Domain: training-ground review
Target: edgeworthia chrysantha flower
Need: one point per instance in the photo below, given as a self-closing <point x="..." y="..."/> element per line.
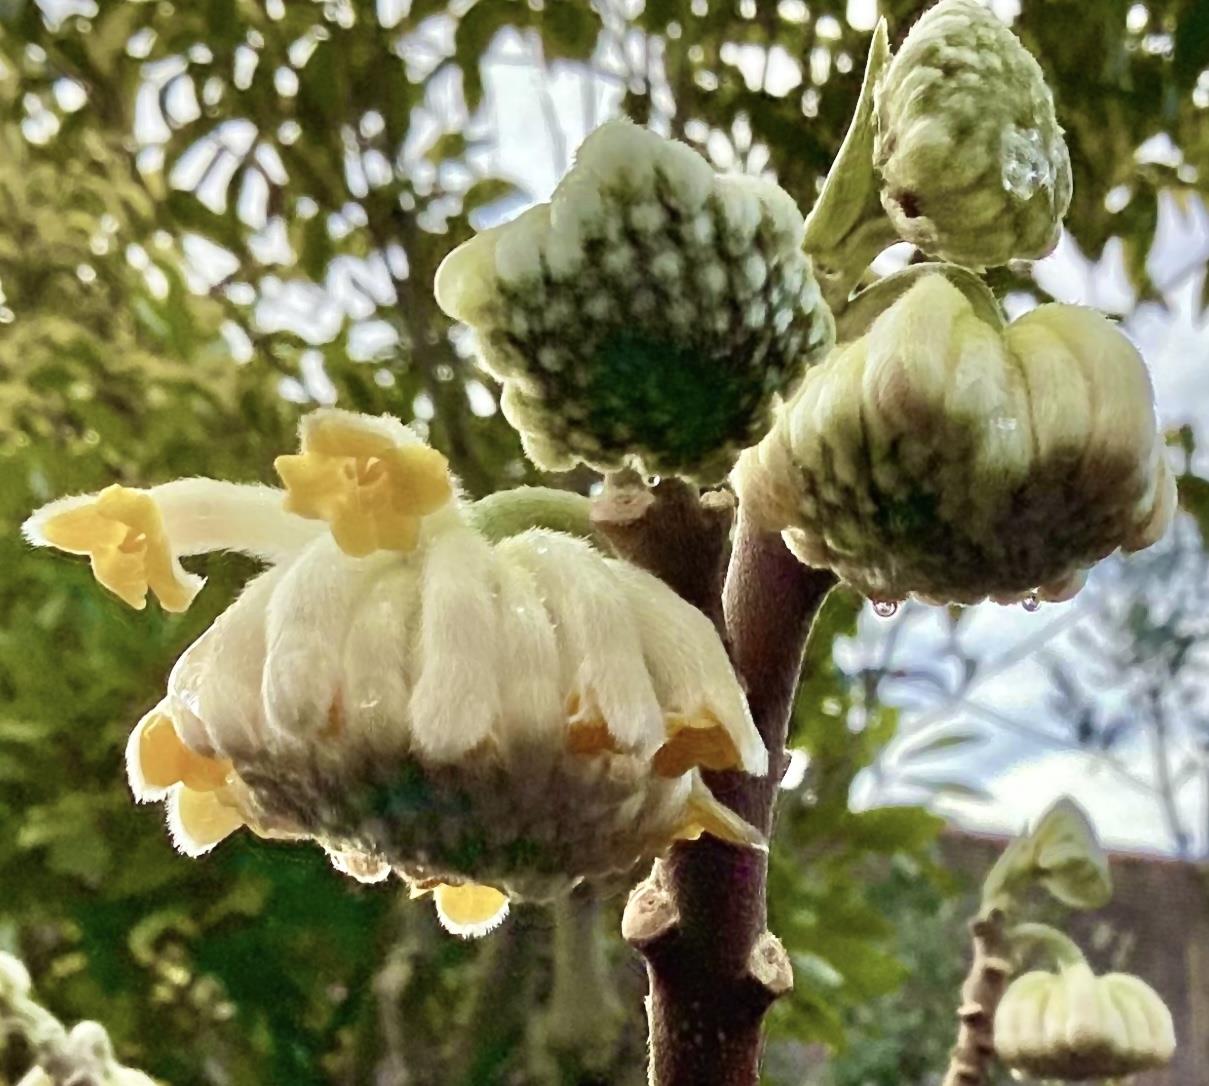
<point x="972" y="161"/>
<point x="489" y="720"/>
<point x="648" y="314"/>
<point x="944" y="456"/>
<point x="1074" y="1026"/>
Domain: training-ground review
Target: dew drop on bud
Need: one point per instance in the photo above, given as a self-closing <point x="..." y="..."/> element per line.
<point x="1031" y="603"/>
<point x="885" y="608"/>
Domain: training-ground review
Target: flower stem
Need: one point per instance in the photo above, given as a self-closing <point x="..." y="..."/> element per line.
<point x="510" y="512"/>
<point x="1062" y="950"/>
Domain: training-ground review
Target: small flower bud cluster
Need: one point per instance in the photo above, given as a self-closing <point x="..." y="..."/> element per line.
<point x="943" y="457"/>
<point x="973" y="163"/>
<point x="1073" y="1025"/>
<point x="646" y="315"/>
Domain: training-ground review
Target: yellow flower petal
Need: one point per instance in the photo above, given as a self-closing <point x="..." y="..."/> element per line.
<point x="122" y="532"/>
<point x="200" y="820"/>
<point x="470" y="910"/>
<point x="371" y="491"/>
<point x="165" y="760"/>
<point x="694" y="742"/>
<point x="316" y="486"/>
<point x="420" y="478"/>
<point x="327" y="436"/>
<point x="704" y="813"/>
<point x="591" y="737"/>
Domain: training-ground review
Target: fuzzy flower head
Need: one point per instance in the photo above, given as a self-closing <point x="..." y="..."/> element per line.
<point x="942" y="456"/>
<point x="489" y="720"/>
<point x="973" y="163"/>
<point x="1074" y="1026"/>
<point x="648" y="314"/>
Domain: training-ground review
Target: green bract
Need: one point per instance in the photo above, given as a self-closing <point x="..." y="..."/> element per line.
<point x="648" y="314"/>
<point x="973" y="164"/>
<point x="941" y="456"/>
<point x="1062" y="854"/>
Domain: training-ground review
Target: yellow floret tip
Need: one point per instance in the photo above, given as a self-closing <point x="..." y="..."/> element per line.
<point x="165" y="760"/>
<point x="122" y="532"/>
<point x="201" y="820"/>
<point x="694" y="742"/>
<point x="371" y="491"/>
<point x="468" y="909"/>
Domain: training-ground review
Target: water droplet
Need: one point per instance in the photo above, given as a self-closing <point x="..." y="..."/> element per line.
<point x="1026" y="166"/>
<point x="885" y="608"/>
<point x="1031" y="603"/>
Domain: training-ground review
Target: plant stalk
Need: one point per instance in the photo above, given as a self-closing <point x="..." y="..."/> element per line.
<point x="700" y="918"/>
<point x="970" y="1061"/>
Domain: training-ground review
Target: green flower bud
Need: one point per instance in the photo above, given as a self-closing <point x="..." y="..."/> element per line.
<point x="942" y="456"/>
<point x="1074" y="1026"/>
<point x="973" y="164"/>
<point x="648" y="314"/>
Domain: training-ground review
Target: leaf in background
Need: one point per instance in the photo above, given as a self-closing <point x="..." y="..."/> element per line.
<point x="893" y="829"/>
<point x="1194" y="498"/>
<point x="1191" y="44"/>
<point x="948" y="742"/>
<point x="949" y="788"/>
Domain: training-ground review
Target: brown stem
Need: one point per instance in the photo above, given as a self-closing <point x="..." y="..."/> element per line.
<point x="669" y="530"/>
<point x="984" y="985"/>
<point x="700" y="917"/>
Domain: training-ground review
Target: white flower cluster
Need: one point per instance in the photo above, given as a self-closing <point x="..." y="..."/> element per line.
<point x="941" y="456"/>
<point x="1073" y="1025"/>
<point x="647" y="314"/>
<point x="521" y="715"/>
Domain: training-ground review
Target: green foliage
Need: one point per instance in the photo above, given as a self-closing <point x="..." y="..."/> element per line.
<point x="828" y="860"/>
<point x="905" y="1035"/>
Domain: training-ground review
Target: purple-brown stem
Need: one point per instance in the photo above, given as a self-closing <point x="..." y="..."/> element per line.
<point x="700" y="918"/>
<point x="970" y="1061"/>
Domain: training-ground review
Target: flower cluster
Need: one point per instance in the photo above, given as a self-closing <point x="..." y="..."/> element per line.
<point x="1073" y="1025"/>
<point x="972" y="161"/>
<point x="942" y="456"/>
<point x="489" y="720"/>
<point x="648" y="314"/>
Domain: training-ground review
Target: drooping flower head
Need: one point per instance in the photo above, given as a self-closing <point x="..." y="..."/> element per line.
<point x="647" y="314"/>
<point x="943" y="456"/>
<point x="1074" y="1026"/>
<point x="489" y="720"/>
<point x="973" y="164"/>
